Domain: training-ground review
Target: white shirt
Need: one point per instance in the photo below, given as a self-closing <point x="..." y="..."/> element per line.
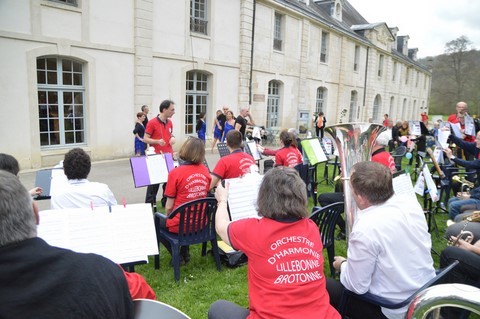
<point x="78" y="193"/>
<point x="389" y="252"/>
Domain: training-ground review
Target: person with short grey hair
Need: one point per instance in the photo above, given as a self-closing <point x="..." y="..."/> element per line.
<point x="41" y="281"/>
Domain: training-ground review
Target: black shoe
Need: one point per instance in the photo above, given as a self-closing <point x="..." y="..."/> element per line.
<point x="341" y="236"/>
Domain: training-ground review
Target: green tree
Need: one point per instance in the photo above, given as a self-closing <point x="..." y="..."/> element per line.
<point x="456" y="51"/>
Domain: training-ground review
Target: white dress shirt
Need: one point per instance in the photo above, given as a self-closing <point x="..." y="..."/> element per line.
<point x="78" y="193"/>
<point x="389" y="252"/>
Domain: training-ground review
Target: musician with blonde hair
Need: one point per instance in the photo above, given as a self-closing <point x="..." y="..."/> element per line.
<point x="388" y="249"/>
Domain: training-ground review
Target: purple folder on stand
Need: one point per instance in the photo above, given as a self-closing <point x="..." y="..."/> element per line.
<point x="152" y="169"/>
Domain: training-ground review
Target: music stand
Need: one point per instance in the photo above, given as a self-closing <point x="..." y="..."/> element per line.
<point x="222" y="149"/>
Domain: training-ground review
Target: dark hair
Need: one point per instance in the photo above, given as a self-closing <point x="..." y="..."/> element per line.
<point x="77" y="164"/>
<point x="140" y="114"/>
<point x="202" y="114"/>
<point x="9" y="163"/>
<point x="234" y="139"/>
<point x="17" y="220"/>
<point x="193" y="150"/>
<point x="372" y="181"/>
<point x="287" y="138"/>
<point x="282" y="194"/>
<point x="165" y="105"/>
<point x="320" y="114"/>
<point x="143" y="107"/>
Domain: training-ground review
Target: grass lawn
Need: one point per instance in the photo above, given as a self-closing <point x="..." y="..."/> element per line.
<point x="201" y="284"/>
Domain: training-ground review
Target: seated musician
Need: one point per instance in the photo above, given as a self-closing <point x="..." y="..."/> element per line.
<point x="188" y="182"/>
<point x="10" y="164"/>
<point x="467" y="253"/>
<point x="236" y="164"/>
<point x="42" y="281"/>
<point x="389" y="246"/>
<point x="80" y="192"/>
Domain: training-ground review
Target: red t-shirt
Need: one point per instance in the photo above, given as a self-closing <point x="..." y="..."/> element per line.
<point x="454" y="119"/>
<point x="158" y="130"/>
<point x="288" y="156"/>
<point x="385" y="159"/>
<point x="233" y="165"/>
<point x="186" y="183"/>
<point x="285" y="268"/>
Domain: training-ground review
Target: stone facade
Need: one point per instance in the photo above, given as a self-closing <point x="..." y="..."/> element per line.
<point x="144" y="51"/>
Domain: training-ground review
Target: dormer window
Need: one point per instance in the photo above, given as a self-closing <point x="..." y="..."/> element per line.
<point x="336" y="10"/>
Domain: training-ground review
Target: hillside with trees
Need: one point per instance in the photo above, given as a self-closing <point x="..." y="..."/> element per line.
<point x="455" y="77"/>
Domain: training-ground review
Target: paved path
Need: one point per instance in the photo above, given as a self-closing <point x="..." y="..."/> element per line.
<point x="117" y="174"/>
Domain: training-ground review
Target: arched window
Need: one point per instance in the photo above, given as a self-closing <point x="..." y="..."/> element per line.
<point x="60" y="97"/>
<point x="273" y="103"/>
<point x="195" y="99"/>
<point x="404" y="110"/>
<point x="377" y="104"/>
<point x="353" y="113"/>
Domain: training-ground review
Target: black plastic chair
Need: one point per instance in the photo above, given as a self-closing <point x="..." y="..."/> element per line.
<point x="326" y="218"/>
<point x="385" y="303"/>
<point x="197" y="225"/>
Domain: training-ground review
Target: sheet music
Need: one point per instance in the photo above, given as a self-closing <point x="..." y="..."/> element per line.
<point x="432" y="188"/>
<point x="252" y="146"/>
<point x="157" y="169"/>
<point x="242" y="196"/>
<point x="125" y="235"/>
<point x="443" y="137"/>
<point x="402" y="184"/>
<point x="314" y="151"/>
<point x="469" y="125"/>
<point x="456" y="129"/>
<point x="415" y="128"/>
<point x="59" y="180"/>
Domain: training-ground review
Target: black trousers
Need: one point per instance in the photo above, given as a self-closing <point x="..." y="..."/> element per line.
<point x="151" y="195"/>
<point x="355" y="308"/>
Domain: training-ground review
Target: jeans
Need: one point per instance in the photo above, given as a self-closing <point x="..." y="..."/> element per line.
<point x="455" y="203"/>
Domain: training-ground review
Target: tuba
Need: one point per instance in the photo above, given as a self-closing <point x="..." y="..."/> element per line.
<point x="354" y="142"/>
<point x="446" y="295"/>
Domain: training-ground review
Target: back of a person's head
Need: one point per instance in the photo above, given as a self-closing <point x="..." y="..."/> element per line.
<point x="234" y="139"/>
<point x="373" y="181"/>
<point x="282" y="194"/>
<point x="17" y="220"/>
<point x="286" y="138"/>
<point x="77" y="164"/>
<point x="193" y="150"/>
<point x="9" y="163"/>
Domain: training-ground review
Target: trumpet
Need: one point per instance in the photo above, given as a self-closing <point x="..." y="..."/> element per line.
<point x="466" y="235"/>
<point x="465" y="183"/>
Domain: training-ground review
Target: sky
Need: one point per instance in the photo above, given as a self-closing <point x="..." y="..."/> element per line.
<point x="430" y="24"/>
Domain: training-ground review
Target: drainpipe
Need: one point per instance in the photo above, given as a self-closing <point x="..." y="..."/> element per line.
<point x="365" y="84"/>
<point x="251" y="54"/>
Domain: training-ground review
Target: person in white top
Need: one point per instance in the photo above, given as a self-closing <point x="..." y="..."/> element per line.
<point x="388" y="249"/>
<point x="79" y="192"/>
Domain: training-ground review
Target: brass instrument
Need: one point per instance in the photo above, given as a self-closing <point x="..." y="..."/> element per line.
<point x="445" y="295"/>
<point x="466" y="235"/>
<point x="464" y="182"/>
<point x="354" y="142"/>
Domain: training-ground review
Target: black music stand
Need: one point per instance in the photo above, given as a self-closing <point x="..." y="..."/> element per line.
<point x="222" y="149"/>
<point x="326" y="178"/>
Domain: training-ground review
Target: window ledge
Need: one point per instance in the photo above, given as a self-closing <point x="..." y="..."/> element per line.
<point x="62" y="6"/>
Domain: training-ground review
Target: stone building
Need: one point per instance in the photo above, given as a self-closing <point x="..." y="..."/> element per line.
<point x="75" y="72"/>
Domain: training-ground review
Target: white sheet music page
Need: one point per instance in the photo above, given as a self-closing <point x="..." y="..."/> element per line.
<point x="402" y="184"/>
<point x="127" y="234"/>
<point x="242" y="196"/>
<point x="157" y="169"/>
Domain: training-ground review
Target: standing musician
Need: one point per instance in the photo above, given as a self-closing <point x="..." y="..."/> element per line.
<point x="466" y="122"/>
<point x="389" y="246"/>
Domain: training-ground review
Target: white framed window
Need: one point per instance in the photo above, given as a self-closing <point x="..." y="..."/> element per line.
<point x="196" y="99"/>
<point x="356" y="61"/>
<point x="392" y="107"/>
<point x="407" y="75"/>
<point x="381" y="59"/>
<point x="321" y="99"/>
<point x="198" y="16"/>
<point x="394" y="73"/>
<point x="404" y="110"/>
<point x="60" y="98"/>
<point x="377" y="105"/>
<point x="417" y="79"/>
<point x="278" y="32"/>
<point x="324" y="47"/>
<point x="70" y="2"/>
<point x="354" y="109"/>
<point x="273" y="103"/>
